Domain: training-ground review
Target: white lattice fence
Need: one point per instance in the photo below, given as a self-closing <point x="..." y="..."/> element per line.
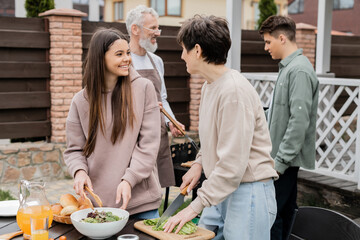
<point x="337" y="136"/>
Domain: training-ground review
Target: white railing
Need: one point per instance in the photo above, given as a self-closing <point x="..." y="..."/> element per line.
<point x="337" y="136"/>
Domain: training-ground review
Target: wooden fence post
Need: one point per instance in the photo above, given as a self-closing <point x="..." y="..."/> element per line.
<point x="66" y="65"/>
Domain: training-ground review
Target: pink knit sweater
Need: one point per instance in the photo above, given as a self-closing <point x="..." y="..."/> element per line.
<point x="131" y="158"/>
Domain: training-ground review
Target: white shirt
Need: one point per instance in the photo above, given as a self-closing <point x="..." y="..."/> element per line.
<point x="143" y="62"/>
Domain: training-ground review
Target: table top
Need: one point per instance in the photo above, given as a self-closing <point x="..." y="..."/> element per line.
<point x="8" y="225"/>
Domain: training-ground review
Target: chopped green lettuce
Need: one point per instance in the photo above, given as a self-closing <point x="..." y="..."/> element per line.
<point x="187" y="229"/>
<point x="100" y="217"/>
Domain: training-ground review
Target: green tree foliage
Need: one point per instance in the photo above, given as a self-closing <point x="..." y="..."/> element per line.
<point x="267" y="8"/>
<point x="34" y="7"/>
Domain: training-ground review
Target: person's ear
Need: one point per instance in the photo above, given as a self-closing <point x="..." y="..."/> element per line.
<point x="198" y="51"/>
<point x="282" y="38"/>
<point x="135" y="29"/>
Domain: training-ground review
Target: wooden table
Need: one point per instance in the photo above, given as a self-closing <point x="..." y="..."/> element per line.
<point x="8" y="224"/>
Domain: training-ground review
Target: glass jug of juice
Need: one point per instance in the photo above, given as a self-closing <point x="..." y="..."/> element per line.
<point x="33" y="204"/>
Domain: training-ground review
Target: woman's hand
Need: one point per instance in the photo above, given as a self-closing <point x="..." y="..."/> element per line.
<point x="191" y="177"/>
<point x="80" y="180"/>
<point x="123" y="192"/>
<point x="181" y="218"/>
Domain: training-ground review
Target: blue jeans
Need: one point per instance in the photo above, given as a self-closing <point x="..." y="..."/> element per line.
<point x="147" y="215"/>
<point x="247" y="214"/>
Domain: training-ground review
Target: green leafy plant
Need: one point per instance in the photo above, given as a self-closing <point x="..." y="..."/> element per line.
<point x="34" y="7"/>
<point x="5" y="195"/>
<point x="267" y="8"/>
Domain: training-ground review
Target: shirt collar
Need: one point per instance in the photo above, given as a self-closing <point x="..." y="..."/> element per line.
<point x="288" y="59"/>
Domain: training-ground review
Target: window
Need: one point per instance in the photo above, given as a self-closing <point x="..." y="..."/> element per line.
<point x="167" y="7"/>
<point x="343" y="4"/>
<point x="296" y="7"/>
<point x="118" y="10"/>
<point x="86" y="2"/>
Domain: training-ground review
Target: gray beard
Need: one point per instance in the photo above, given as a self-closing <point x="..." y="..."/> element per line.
<point x="147" y="45"/>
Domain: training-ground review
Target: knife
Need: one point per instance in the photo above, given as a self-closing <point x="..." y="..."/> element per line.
<point x="179" y="200"/>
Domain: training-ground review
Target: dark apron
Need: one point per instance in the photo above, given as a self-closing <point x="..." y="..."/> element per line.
<point x="164" y="162"/>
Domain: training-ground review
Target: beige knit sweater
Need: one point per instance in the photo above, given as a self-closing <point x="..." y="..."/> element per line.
<point x="234" y="136"/>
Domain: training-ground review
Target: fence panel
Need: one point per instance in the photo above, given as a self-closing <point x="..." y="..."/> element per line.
<point x="24" y="78"/>
<point x="337" y="140"/>
<point x="345" y="56"/>
<point x="253" y="56"/>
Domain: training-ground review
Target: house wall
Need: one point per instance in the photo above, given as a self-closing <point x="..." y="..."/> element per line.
<point x="191" y="7"/>
<point x="7" y="8"/>
<point x="343" y="20"/>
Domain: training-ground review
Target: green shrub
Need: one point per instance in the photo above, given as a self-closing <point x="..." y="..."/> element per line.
<point x="5" y="195"/>
<point x="267" y="8"/>
<point x="34" y="7"/>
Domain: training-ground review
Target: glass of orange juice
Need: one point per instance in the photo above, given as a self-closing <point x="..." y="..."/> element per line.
<point x="39" y="228"/>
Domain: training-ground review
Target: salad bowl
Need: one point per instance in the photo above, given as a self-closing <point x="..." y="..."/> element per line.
<point x="99" y="230"/>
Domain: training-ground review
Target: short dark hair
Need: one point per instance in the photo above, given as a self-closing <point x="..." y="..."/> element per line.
<point x="276" y="25"/>
<point x="211" y="33"/>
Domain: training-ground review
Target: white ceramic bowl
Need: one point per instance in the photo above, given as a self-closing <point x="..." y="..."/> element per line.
<point x="99" y="230"/>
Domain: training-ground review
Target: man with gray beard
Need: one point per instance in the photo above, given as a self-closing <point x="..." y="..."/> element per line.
<point x="143" y="28"/>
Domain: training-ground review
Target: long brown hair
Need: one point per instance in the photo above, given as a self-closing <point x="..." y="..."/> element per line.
<point x="94" y="83"/>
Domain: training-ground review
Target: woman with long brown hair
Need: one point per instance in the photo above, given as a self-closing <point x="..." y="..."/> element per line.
<point x="112" y="129"/>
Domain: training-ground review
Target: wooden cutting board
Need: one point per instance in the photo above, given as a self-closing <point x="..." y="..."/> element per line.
<point x="200" y="234"/>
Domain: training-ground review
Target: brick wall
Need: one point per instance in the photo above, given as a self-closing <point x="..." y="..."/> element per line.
<point x="66" y="65"/>
<point x="196" y="82"/>
<point x="306" y="39"/>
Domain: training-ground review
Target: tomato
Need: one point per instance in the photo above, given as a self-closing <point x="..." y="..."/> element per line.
<point x="62" y="238"/>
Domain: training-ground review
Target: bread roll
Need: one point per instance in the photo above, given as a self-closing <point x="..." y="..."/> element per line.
<point x="84" y="206"/>
<point x="81" y="201"/>
<point x="56" y="209"/>
<point x="68" y="210"/>
<point x="68" y="200"/>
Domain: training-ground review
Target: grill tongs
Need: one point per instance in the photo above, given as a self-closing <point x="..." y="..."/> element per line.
<point x="180" y="129"/>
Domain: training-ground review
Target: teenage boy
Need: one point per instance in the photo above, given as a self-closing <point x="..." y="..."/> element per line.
<point x="291" y="116"/>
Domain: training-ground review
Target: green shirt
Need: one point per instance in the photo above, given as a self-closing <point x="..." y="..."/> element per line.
<point x="292" y="116"/>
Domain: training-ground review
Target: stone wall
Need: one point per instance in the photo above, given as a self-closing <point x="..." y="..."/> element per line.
<point x="31" y="161"/>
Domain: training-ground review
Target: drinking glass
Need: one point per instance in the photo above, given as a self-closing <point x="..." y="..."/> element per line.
<point x="39" y="228"/>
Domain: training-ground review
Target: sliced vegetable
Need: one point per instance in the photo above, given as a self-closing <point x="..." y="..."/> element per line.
<point x="187" y="229"/>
